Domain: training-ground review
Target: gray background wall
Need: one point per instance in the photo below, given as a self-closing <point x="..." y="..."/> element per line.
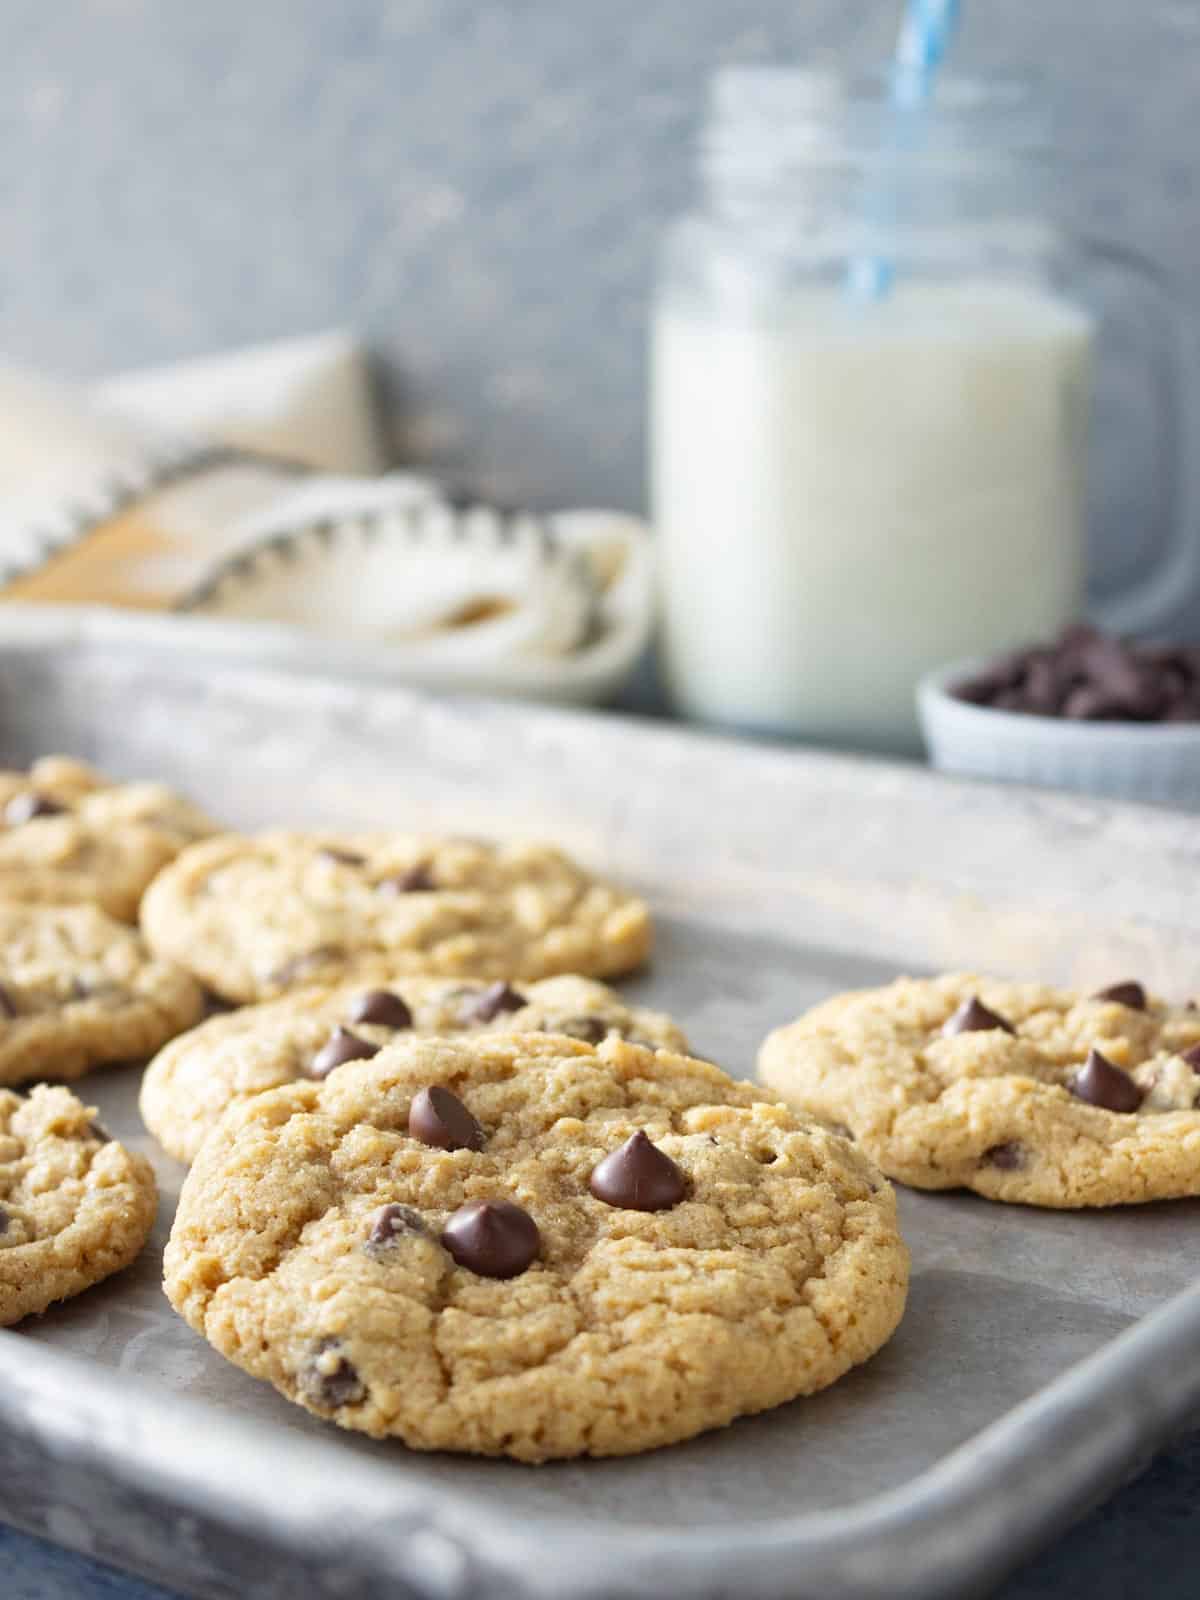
<point x="477" y="187"/>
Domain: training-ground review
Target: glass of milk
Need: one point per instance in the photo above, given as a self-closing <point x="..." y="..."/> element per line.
<point x="851" y="486"/>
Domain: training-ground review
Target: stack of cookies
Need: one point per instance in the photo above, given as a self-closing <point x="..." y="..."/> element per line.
<point x="446" y="1185"/>
<point x="79" y="988"/>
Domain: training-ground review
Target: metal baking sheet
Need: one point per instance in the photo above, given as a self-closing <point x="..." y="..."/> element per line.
<point x="1044" y="1355"/>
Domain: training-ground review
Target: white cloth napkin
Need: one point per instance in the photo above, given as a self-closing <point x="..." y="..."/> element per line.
<point x="308" y="400"/>
<point x="194" y="492"/>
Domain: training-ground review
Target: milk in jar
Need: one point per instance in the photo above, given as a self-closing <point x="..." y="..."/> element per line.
<point x="851" y="488"/>
<point x="846" y="495"/>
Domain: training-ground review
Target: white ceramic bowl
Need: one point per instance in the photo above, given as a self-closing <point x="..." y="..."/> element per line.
<point x="1152" y="761"/>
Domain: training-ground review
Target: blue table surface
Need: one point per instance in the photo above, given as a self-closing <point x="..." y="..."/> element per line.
<point x="1145" y="1541"/>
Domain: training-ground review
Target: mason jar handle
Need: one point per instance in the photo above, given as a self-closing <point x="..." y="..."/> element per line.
<point x="1147" y="604"/>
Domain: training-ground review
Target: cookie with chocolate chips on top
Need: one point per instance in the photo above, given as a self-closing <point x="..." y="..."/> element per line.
<point x="75" y="1206"/>
<point x="79" y="990"/>
<point x="1022" y="1092"/>
<point x="531" y="1246"/>
<point x="231" y="1057"/>
<point x="256" y="917"/>
<point x="68" y="834"/>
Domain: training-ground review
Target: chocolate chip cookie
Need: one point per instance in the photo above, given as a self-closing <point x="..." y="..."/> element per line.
<point x="1019" y="1091"/>
<point x="254" y="917"/>
<point x="193" y="1080"/>
<point x="69" y="834"/>
<point x="531" y="1246"/>
<point x="78" y="989"/>
<point x="75" y="1206"/>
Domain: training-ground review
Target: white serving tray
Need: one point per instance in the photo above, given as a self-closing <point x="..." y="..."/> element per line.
<point x="1044" y="1355"/>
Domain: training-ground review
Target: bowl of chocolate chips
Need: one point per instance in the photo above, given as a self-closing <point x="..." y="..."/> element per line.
<point x="1085" y="711"/>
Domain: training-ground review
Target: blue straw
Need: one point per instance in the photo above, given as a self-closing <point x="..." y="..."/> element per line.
<point x="925" y="35"/>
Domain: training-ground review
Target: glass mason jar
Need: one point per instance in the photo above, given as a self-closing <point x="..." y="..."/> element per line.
<point x="871" y="371"/>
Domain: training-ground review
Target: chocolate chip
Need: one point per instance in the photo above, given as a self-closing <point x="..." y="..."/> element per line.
<point x="413" y="880"/>
<point x="1119" y="668"/>
<point x="494" y="1238"/>
<point x="490" y="1002"/>
<point x="305" y="964"/>
<point x="341" y="858"/>
<point x="638" y="1177"/>
<point x="331" y="1383"/>
<point x="25" y="807"/>
<point x="1192" y="1057"/>
<point x="1125" y="994"/>
<point x="390" y="1223"/>
<point x="1093" y="703"/>
<point x="1008" y="1157"/>
<point x="383" y="1007"/>
<point x="3" y="1220"/>
<point x="438" y="1118"/>
<point x="1086" y="675"/>
<point x="980" y="691"/>
<point x="1006" y="672"/>
<point x="974" y="1017"/>
<point x="340" y="1047"/>
<point x="1101" y="1084"/>
<point x="7" y="1007"/>
<point x="1176" y="678"/>
<point x="592" y="1030"/>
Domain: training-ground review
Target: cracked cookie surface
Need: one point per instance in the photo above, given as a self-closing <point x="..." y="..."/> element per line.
<point x="68" y="834"/>
<point x="308" y="1248"/>
<point x="971" y="1082"/>
<point x="79" y="990"/>
<point x="194" y="1079"/>
<point x="254" y="917"/>
<point x="75" y="1206"/>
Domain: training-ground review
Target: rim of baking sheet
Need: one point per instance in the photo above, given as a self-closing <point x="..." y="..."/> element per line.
<point x="979" y="1507"/>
